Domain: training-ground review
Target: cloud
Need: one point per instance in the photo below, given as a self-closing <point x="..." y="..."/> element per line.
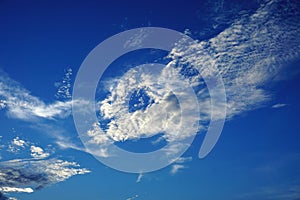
<point x="2" y="104"/>
<point x="18" y="142"/>
<point x="161" y="114"/>
<point x="279" y="105"/>
<point x="20" y="104"/>
<point x="134" y="197"/>
<point x="38" y="152"/>
<point x="14" y="189"/>
<point x="139" y="178"/>
<point x="16" y="145"/>
<point x="36" y="173"/>
<point x="179" y="164"/>
<point x="64" y="88"/>
<point x="176" y="168"/>
<point x="248" y="55"/>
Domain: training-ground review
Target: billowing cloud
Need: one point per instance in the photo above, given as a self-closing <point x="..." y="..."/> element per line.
<point x="18" y="142"/>
<point x="248" y="55"/>
<point x="23" y="175"/>
<point x="38" y="152"/>
<point x="16" y="145"/>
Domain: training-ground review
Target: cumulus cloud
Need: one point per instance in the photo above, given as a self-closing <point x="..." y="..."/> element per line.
<point x="23" y="175"/>
<point x="18" y="142"/>
<point x="38" y="152"/>
<point x="248" y="55"/>
<point x="16" y="145"/>
<point x="168" y="99"/>
<point x="26" y="175"/>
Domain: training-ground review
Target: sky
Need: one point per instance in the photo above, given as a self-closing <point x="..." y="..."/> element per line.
<point x="251" y="46"/>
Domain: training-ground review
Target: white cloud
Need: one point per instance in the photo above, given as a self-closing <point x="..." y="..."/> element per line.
<point x="248" y="55"/>
<point x="22" y="105"/>
<point x="16" y="145"/>
<point x="279" y="105"/>
<point x="164" y="87"/>
<point x="182" y="160"/>
<point x="41" y="173"/>
<point x="139" y="178"/>
<point x="64" y="88"/>
<point x="15" y="189"/>
<point x="18" y="142"/>
<point x="179" y="164"/>
<point x="176" y="167"/>
<point x="134" y="197"/>
<point x="2" y="104"/>
<point x="38" y="152"/>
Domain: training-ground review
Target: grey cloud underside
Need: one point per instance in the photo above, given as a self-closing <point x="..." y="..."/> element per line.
<point x="36" y="173"/>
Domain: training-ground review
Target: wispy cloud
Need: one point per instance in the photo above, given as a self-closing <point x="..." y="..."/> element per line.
<point x="139" y="178"/>
<point x="248" y="55"/>
<point x="179" y="164"/>
<point x="20" y="104"/>
<point x="134" y="197"/>
<point x="279" y="105"/>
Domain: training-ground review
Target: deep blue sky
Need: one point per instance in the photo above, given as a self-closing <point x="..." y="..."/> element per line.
<point x="257" y="156"/>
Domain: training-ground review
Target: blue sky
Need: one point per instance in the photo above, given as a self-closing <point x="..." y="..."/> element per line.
<point x="253" y="45"/>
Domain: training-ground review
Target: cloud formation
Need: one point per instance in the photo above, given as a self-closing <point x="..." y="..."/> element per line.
<point x="38" y="152"/>
<point x="179" y="164"/>
<point x="20" y="104"/>
<point x="27" y="175"/>
<point x="248" y="55"/>
<point x="15" y="189"/>
<point x="64" y="87"/>
<point x="279" y="105"/>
